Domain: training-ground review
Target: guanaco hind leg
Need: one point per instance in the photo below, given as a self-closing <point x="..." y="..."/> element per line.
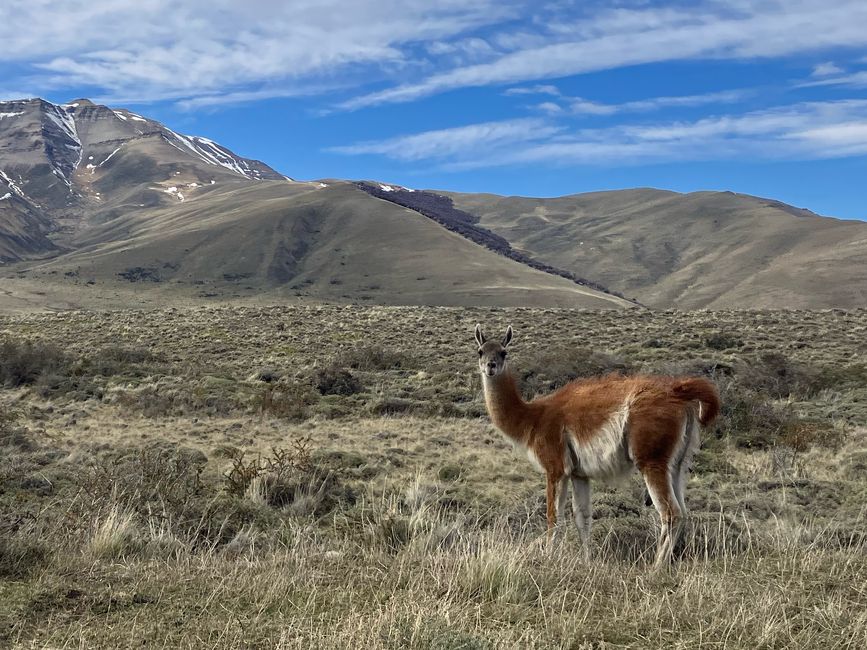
<point x="660" y="486"/>
<point x="562" y="499"/>
<point x="581" y="510"/>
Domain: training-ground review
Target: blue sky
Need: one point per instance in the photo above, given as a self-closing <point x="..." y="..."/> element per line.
<point x="512" y="97"/>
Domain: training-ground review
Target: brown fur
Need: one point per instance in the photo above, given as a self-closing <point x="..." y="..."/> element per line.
<point x="650" y="420"/>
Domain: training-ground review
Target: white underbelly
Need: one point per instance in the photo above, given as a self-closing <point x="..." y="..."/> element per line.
<point x="596" y="460"/>
<point x="604" y="453"/>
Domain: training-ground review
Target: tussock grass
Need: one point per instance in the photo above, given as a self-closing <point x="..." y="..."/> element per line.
<point x="488" y="588"/>
<point x="153" y="495"/>
<point x="115" y="535"/>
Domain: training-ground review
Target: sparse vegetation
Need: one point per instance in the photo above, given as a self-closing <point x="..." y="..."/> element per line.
<point x="202" y="477"/>
<point x="141" y="274"/>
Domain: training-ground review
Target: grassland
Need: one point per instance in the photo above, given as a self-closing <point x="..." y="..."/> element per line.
<point x="324" y="476"/>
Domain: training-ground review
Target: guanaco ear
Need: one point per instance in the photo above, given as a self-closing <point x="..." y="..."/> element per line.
<point x="508" y="337"/>
<point x="480" y="338"/>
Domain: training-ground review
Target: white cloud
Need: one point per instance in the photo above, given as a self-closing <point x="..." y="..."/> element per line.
<point x="655" y="103"/>
<point x="216" y="52"/>
<point x="11" y="95"/>
<point x="582" y="106"/>
<point x="446" y="143"/>
<point x="549" y="107"/>
<point x="623" y="37"/>
<point x="541" y="89"/>
<point x="800" y="131"/>
<point x="237" y="97"/>
<point x="853" y="80"/>
<point x="157" y="49"/>
<point x="826" y="69"/>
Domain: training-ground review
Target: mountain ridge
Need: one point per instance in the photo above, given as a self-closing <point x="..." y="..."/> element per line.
<point x="110" y="199"/>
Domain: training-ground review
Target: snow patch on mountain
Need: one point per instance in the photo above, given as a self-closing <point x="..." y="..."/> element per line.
<point x="110" y="155"/>
<point x="62" y="117"/>
<point x="215" y="154"/>
<point x="11" y="184"/>
<point x="174" y="192"/>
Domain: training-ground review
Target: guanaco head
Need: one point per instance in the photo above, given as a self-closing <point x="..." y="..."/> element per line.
<point x="492" y="354"/>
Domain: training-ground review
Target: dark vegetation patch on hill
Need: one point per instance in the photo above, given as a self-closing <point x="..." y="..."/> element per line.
<point x="441" y="209"/>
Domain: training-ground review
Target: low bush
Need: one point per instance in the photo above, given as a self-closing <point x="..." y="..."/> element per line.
<point x="722" y="341"/>
<point x="120" y="360"/>
<point x="21" y="555"/>
<point x="333" y="380"/>
<point x="281" y="462"/>
<point x="778" y="377"/>
<point x="287" y="400"/>
<point x="371" y="357"/>
<point x="24" y="363"/>
<point x="159" y="478"/>
<point x="750" y="419"/>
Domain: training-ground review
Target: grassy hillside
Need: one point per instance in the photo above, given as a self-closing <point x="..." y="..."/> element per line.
<point x="324" y="476"/>
<point x="700" y="250"/>
<point x="297" y="240"/>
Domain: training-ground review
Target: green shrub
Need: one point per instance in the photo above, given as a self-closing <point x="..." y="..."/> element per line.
<point x="449" y="472"/>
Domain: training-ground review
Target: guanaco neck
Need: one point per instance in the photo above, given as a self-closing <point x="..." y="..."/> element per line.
<point x="508" y="411"/>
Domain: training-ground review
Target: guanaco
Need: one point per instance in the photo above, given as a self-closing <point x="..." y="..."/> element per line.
<point x="602" y="428"/>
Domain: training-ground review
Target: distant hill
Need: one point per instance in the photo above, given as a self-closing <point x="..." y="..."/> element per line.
<point x="697" y="250"/>
<point x="100" y="202"/>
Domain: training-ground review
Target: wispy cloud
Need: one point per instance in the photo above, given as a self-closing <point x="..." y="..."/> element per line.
<point x="539" y="89"/>
<point x="244" y="96"/>
<point x="201" y="56"/>
<point x="161" y="49"/>
<point x="826" y="69"/>
<point x="579" y="105"/>
<point x="623" y="37"/>
<point x="802" y="131"/>
<point x="851" y="80"/>
<point x="447" y="143"/>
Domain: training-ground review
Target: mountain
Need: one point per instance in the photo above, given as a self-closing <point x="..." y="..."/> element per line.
<point x="62" y="166"/>
<point x="697" y="250"/>
<point x="105" y="200"/>
<point x="101" y="205"/>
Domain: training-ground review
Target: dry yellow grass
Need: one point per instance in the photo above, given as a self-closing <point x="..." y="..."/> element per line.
<point x="403" y="519"/>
